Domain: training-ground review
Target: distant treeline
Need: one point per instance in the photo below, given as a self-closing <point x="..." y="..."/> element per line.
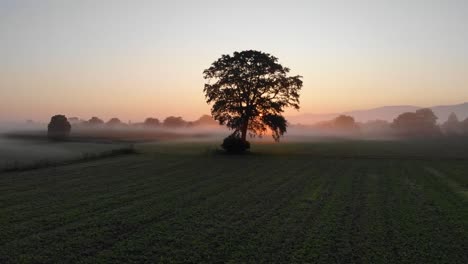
<point x="60" y="126"/>
<point x="150" y="122"/>
<point x="421" y="123"/>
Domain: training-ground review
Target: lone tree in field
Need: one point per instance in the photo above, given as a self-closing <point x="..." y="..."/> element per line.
<point x="58" y="128"/>
<point x="249" y="91"/>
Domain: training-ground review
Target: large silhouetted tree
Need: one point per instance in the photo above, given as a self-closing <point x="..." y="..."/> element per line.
<point x="249" y="91"/>
<point x="58" y="128"/>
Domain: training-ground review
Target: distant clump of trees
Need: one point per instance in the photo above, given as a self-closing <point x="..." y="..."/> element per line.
<point x="115" y="123"/>
<point x="345" y="123"/>
<point x="419" y="124"/>
<point x="464" y="126"/>
<point x="452" y="127"/>
<point x="95" y="121"/>
<point x="171" y="122"/>
<point x="342" y="124"/>
<point x="422" y="123"/>
<point x="59" y="128"/>
<point x="151" y="122"/>
<point x="174" y="122"/>
<point x="204" y="120"/>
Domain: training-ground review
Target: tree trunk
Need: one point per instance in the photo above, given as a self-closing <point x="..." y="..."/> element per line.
<point x="244" y="130"/>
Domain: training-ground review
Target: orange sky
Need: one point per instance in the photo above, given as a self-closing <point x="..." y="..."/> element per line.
<point x="133" y="61"/>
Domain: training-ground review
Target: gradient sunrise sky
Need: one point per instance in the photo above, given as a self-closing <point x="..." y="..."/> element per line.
<point x="135" y="59"/>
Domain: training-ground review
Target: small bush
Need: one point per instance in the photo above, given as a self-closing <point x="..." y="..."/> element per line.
<point x="236" y="145"/>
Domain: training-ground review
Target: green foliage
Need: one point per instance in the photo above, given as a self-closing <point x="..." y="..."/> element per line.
<point x="249" y="92"/>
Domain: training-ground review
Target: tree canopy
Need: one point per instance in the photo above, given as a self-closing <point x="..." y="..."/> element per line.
<point x="151" y="122"/>
<point x="419" y="123"/>
<point x="205" y="120"/>
<point x="114" y="122"/>
<point x="249" y="91"/>
<point x="345" y="122"/>
<point x="452" y="126"/>
<point x="95" y="121"/>
<point x="58" y="128"/>
<point x="174" y="122"/>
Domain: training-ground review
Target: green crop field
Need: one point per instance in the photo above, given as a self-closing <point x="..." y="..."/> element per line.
<point x="322" y="202"/>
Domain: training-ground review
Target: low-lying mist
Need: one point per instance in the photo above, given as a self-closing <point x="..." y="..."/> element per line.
<point x="28" y="142"/>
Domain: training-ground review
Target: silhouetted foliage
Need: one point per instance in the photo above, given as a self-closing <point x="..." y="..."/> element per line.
<point x="345" y="123"/>
<point x="464" y="127"/>
<point x="235" y="144"/>
<point x="59" y="128"/>
<point x="342" y="124"/>
<point x="249" y="91"/>
<point x="174" y="122"/>
<point x="205" y="120"/>
<point x="452" y="127"/>
<point x="95" y="121"/>
<point x="420" y="123"/>
<point x="151" y="122"/>
<point x="114" y="122"/>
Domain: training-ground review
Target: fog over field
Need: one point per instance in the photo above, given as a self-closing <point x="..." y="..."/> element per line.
<point x="28" y="142"/>
<point x="249" y="131"/>
<point x="20" y="153"/>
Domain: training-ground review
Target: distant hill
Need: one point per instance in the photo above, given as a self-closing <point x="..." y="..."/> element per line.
<point x="443" y="111"/>
<point x="383" y="113"/>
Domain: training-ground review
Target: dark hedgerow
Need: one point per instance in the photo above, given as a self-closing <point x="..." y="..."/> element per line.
<point x="235" y="144"/>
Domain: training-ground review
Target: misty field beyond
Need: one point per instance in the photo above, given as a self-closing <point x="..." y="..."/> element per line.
<point x="245" y="131"/>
